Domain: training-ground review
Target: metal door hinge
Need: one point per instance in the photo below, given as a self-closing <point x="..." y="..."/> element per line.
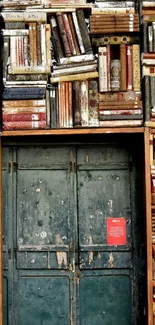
<point x="15" y="167"/>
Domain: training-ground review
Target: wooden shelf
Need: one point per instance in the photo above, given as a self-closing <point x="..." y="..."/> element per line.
<point x="73" y="131"/>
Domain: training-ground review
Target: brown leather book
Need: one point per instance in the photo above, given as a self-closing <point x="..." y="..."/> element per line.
<point x="39" y="61"/>
<point x="73" y="34"/>
<point x="70" y="106"/>
<point x="76" y="104"/>
<point x="69" y="34"/>
<point x="63" y="34"/>
<point x="123" y="72"/>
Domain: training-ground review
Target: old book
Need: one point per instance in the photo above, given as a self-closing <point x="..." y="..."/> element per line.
<point x="23" y="125"/>
<point x="121" y="103"/>
<point x="120" y="123"/>
<point x="93" y="103"/>
<point x="23" y="93"/>
<point x="136" y="67"/>
<point x="115" y="75"/>
<point x="144" y="36"/>
<point x="78" y="33"/>
<point x="70" y="105"/>
<point x="150" y="38"/>
<point x="43" y="46"/>
<point x="76" y="103"/>
<point x="120" y="112"/>
<point x="120" y="117"/>
<point x="56" y="38"/>
<point x="38" y="37"/>
<point x="23" y="16"/>
<point x="66" y="113"/>
<point x="148" y="70"/>
<point x="31" y="42"/>
<point x="77" y="58"/>
<point x="102" y="68"/>
<point x="84" y="31"/>
<point x="53" y="107"/>
<point x="29" y="69"/>
<point x="152" y="93"/>
<point x="114" y="39"/>
<point x="123" y="68"/>
<point x="74" y="70"/>
<point x="5" y="55"/>
<point x="23" y="103"/>
<point x="69" y="34"/>
<point x="147" y="98"/>
<point x="120" y="96"/>
<point x="24" y="117"/>
<point x="80" y="76"/>
<point x="119" y="107"/>
<point x="63" y="34"/>
<point x="48" y="112"/>
<point x="118" y="10"/>
<point x="84" y="103"/>
<point x="114" y="4"/>
<point x="48" y="44"/>
<point x="14" y="25"/>
<point x="73" y="33"/>
<point x="129" y="68"/>
<point x="108" y="68"/>
<point x="24" y="110"/>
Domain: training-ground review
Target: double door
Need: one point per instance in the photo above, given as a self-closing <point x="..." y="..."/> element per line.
<point x="69" y="246"/>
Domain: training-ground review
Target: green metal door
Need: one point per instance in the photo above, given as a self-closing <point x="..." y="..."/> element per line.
<point x="69" y="251"/>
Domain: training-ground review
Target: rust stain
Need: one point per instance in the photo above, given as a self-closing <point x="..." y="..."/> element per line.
<point x="111" y="261"/>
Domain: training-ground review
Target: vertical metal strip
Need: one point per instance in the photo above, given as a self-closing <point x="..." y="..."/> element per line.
<point x="1" y="242"/>
<point x="148" y="226"/>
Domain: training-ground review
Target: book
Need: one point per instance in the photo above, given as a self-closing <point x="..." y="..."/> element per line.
<point x="93" y="103"/>
<point x="147" y="98"/>
<point x="121" y="123"/>
<point x="120" y="96"/>
<point x="136" y="67"/>
<point x="102" y="68"/>
<point x="23" y="93"/>
<point x="120" y="117"/>
<point x="129" y="67"/>
<point x="123" y="68"/>
<point x="23" y="125"/>
<point x="24" y="117"/>
<point x="79" y="76"/>
<point x="120" y="112"/>
<point x="113" y="39"/>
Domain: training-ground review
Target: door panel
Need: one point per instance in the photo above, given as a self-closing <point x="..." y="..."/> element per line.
<point x="105" y="300"/>
<point x="59" y="267"/>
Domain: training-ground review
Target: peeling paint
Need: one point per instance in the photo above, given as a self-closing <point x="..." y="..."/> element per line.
<point x="38" y="190"/>
<point x="91" y="254"/>
<point x="111" y="260"/>
<point x="43" y="234"/>
<point x="110" y="203"/>
<point x="62" y="259"/>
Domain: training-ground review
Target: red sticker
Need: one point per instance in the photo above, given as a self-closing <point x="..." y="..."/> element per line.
<point x="116" y="231"/>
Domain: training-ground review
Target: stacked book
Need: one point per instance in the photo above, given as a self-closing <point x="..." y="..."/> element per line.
<point x="120" y="109"/>
<point x="72" y="47"/>
<point x="74" y="104"/>
<point x="40" y="3"/>
<point x="120" y="102"/>
<point x="148" y="59"/>
<point x="26" y="66"/>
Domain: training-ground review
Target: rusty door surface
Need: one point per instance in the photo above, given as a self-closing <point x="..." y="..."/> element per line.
<point x="70" y="253"/>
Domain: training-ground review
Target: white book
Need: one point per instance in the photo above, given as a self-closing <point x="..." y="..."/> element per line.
<point x="78" y="33"/>
<point x="102" y="61"/>
<point x="15" y="32"/>
<point x="43" y="44"/>
<point x="77" y="58"/>
<point x="13" y="60"/>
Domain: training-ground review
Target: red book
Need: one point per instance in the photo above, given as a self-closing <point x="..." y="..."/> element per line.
<point x="129" y="67"/>
<point x="24" y="117"/>
<point x="26" y="125"/>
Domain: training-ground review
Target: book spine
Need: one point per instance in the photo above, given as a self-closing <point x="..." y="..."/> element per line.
<point x="70" y="105"/>
<point x="115" y="75"/>
<point x="136" y="67"/>
<point x="53" y="120"/>
<point x="80" y="76"/>
<point x="84" y="31"/>
<point x="73" y="34"/>
<point x="31" y="43"/>
<point x="77" y="108"/>
<point x="121" y="123"/>
<point x="5" y="55"/>
<point x="123" y="72"/>
<point x="153" y="41"/>
<point x="93" y="103"/>
<point x="147" y="99"/>
<point x="120" y="96"/>
<point x="63" y="34"/>
<point x="48" y="113"/>
<point x="39" y="57"/>
<point x="152" y="93"/>
<point x="78" y="33"/>
<point x="24" y="125"/>
<point x="24" y="117"/>
<point x="66" y="119"/>
<point x="108" y="68"/>
<point x="145" y="36"/>
<point x="102" y="67"/>
<point x="69" y="34"/>
<point x="56" y="39"/>
<point x="13" y="51"/>
<point x="29" y="69"/>
<point x="48" y="44"/>
<point x="150" y="38"/>
<point x="109" y="11"/>
<point x="84" y="103"/>
<point x="43" y="44"/>
<point x="120" y="112"/>
<point x="108" y="39"/>
<point x="129" y="67"/>
<point x="121" y="117"/>
<point x="25" y="16"/>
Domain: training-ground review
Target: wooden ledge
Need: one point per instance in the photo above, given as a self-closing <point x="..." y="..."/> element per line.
<point x="73" y="131"/>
